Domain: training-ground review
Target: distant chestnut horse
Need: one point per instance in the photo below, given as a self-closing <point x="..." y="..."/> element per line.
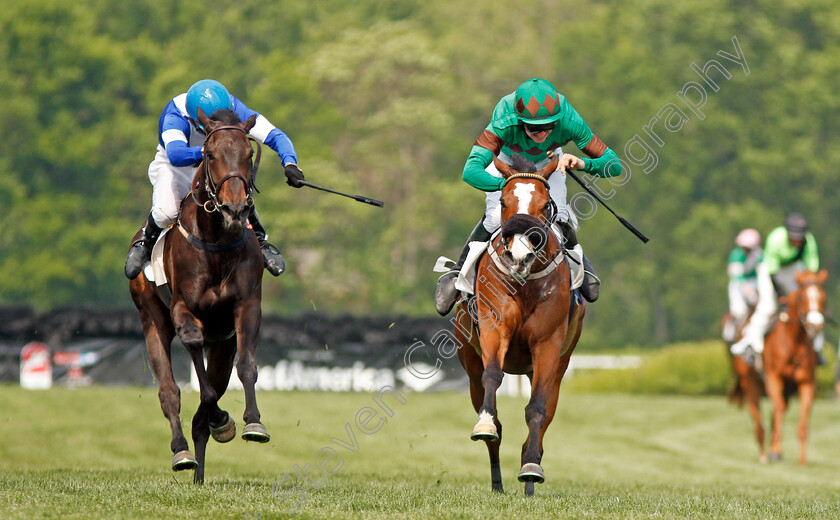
<point x="789" y="358"/>
<point x="523" y="323"/>
<point x="749" y="388"/>
<point x="214" y="268"/>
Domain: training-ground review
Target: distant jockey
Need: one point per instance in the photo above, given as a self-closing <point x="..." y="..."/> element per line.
<point x="788" y="249"/>
<point x="743" y="283"/>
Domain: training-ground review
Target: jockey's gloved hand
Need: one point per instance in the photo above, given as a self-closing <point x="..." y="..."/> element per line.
<point x="293" y="175"/>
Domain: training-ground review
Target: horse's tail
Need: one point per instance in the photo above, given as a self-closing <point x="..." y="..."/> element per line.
<point x="736" y="395"/>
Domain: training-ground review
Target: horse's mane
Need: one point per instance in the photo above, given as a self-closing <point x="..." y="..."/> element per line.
<point x="226" y="116"/>
<point x="522" y="165"/>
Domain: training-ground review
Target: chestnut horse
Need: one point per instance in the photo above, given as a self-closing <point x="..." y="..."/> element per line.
<point x="749" y="388"/>
<point x="789" y="358"/>
<point x="522" y="320"/>
<point x="214" y="268"/>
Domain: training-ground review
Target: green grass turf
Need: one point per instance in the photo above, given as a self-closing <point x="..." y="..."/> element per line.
<point x="104" y="453"/>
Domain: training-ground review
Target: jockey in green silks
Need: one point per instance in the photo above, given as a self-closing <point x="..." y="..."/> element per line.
<point x="743" y="280"/>
<point x="788" y="249"/>
<point x="535" y="121"/>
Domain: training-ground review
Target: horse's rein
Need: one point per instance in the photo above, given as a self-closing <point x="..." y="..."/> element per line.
<point x="213" y="188"/>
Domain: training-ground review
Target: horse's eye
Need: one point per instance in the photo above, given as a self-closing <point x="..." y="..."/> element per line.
<point x="251" y="154"/>
<point x="208" y="154"/>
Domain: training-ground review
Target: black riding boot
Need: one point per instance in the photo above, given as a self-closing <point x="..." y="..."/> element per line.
<point x="590" y="288"/>
<point x="273" y="260"/>
<point x="446" y="293"/>
<point x="141" y="250"/>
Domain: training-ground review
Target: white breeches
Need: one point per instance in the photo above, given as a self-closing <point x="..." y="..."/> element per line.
<point x="170" y="185"/>
<point x="742" y="295"/>
<point x="557" y="191"/>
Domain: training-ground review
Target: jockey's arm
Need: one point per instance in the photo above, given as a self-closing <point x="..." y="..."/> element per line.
<point x="474" y="170"/>
<point x="811" y="256"/>
<point x="267" y="133"/>
<point x="602" y="161"/>
<point x="487" y="146"/>
<point x="175" y="129"/>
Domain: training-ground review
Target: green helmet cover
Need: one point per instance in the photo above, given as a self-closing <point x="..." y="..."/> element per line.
<point x="537" y="102"/>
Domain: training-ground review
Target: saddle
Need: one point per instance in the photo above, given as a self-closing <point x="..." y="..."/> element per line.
<point x="153" y="270"/>
<point x="466" y="280"/>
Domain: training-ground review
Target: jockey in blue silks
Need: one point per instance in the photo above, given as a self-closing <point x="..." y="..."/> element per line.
<point x="179" y="152"/>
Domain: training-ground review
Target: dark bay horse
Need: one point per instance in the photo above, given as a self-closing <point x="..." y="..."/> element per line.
<point x="214" y="268"/>
<point x="789" y="359"/>
<point x="522" y="320"/>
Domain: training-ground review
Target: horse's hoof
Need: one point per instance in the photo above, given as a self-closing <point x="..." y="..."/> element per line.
<point x="226" y="432"/>
<point x="531" y="472"/>
<point x="183" y="460"/>
<point x="529" y="489"/>
<point x="775" y="457"/>
<point x="255" y="432"/>
<point x="485" y="431"/>
<point x="762" y="459"/>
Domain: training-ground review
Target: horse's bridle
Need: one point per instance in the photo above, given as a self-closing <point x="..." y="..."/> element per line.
<point x="799" y="299"/>
<point x="552" y="207"/>
<point x="212" y="188"/>
<point x="545" y="224"/>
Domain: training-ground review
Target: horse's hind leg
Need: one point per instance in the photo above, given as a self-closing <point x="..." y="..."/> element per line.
<point x="158" y="330"/>
<point x="247" y="317"/>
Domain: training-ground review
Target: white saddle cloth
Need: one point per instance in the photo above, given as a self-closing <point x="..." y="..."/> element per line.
<point x="466" y="277"/>
<point x="154" y="269"/>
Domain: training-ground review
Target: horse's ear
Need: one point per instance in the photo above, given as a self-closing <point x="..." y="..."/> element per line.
<point x="822" y="276"/>
<point x="503" y="168"/>
<point x="249" y="124"/>
<point x="546" y="172"/>
<point x="205" y="121"/>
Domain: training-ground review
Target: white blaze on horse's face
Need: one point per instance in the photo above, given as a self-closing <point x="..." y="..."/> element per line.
<point x="814" y="317"/>
<point x="524" y="192"/>
<point x="521" y="246"/>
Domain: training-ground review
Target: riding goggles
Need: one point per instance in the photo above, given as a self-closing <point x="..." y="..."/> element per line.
<point x="535" y="129"/>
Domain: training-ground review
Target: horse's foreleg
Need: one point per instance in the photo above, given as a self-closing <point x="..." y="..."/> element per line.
<point x="775" y="391"/>
<point x="806" y="400"/>
<point x="191" y="333"/>
<point x="247" y="316"/>
<point x="486" y="429"/>
<point x="474" y="368"/>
